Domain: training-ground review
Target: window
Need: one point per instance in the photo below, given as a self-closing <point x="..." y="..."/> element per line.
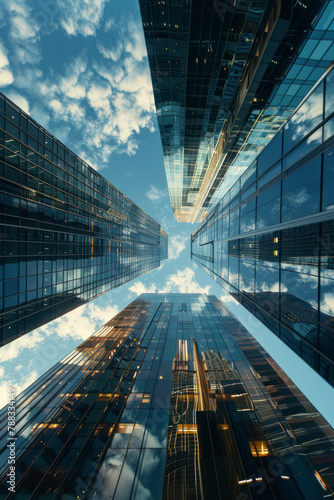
<point x="328" y="180"/>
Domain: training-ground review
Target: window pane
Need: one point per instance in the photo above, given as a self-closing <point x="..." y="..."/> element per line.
<point x="301" y="191"/>
<point x="328" y="181"/>
<point x="305" y="119"/>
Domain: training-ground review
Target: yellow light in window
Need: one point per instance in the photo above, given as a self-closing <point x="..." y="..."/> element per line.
<point x="276" y="252"/>
<point x="259" y="448"/>
<point x="321" y="481"/>
<point x="186" y="429"/>
<point x="275" y="240"/>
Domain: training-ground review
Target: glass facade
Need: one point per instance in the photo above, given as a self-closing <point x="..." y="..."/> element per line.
<point x="305" y="67"/>
<point x="172" y="398"/>
<point x="216" y="68"/>
<point x="270" y="240"/>
<point x="67" y="234"/>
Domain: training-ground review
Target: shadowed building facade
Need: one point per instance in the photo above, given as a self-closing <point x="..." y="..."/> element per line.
<point x="270" y="240"/>
<point x="68" y="235"/>
<point x="226" y="75"/>
<point x="173" y="398"/>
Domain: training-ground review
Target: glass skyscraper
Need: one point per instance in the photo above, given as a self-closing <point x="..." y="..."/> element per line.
<point x="68" y="235"/>
<point x="226" y="76"/>
<point x="172" y="398"/>
<point x="270" y="240"/>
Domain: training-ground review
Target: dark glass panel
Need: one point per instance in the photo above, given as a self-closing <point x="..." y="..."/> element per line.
<point x="301" y="191"/>
<point x="328" y="180"/>
<point x="308" y="116"/>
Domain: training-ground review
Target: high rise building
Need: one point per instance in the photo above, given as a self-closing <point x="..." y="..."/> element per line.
<point x="270" y="240"/>
<point x="226" y="75"/>
<point x="172" y="398"/>
<point x="68" y="235"/>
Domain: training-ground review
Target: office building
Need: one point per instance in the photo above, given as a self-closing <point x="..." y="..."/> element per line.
<point x="172" y="398"/>
<point x="68" y="235"/>
<point x="226" y="76"/>
<point x="269" y="240"/>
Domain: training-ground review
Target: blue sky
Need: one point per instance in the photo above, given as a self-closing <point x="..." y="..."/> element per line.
<point x="80" y="69"/>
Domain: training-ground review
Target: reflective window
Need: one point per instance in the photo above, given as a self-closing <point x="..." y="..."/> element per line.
<point x="328" y="180"/>
<point x="305" y="119"/>
<point x="301" y="191"/>
<point x="329" y="95"/>
<point x="270" y="154"/>
<point x="305" y="147"/>
<point x="268" y="207"/>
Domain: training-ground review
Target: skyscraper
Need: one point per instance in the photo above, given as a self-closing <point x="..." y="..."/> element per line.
<point x="68" y="235"/>
<point x="269" y="240"/>
<point x="226" y="75"/>
<point x="172" y="398"/>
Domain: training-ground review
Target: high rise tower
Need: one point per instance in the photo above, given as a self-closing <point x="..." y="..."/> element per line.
<point x="226" y="75"/>
<point x="270" y="240"/>
<point x="173" y="398"/>
<point x="68" y="235"/>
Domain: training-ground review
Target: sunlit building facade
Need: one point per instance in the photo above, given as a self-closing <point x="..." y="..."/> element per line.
<point x="270" y="240"/>
<point x="67" y="234"/>
<point x="226" y="76"/>
<point x="172" y="398"/>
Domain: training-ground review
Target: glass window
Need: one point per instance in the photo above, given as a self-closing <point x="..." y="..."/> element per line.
<point x="307" y="117"/>
<point x="326" y="337"/>
<point x="305" y="147"/>
<point x="33" y="131"/>
<point x="267" y="288"/>
<point x="329" y="95"/>
<point x="328" y="180"/>
<point x="299" y="303"/>
<point x="12" y="115"/>
<point x="329" y="129"/>
<point x="247" y="222"/>
<point x="268" y="206"/>
<point x="247" y="272"/>
<point x="249" y="176"/>
<point x="301" y="191"/>
<point x="270" y="154"/>
<point x="273" y="172"/>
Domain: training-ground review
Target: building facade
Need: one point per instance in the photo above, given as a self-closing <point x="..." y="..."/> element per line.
<point x="68" y="235"/>
<point x="172" y="398"/>
<point x="226" y="76"/>
<point x="270" y="240"/>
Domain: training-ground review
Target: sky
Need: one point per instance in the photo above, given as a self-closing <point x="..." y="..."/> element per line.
<point x="80" y="69"/>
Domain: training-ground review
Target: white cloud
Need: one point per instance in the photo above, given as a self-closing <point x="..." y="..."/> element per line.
<point x="19" y="100"/>
<point x="176" y="245"/>
<point x="81" y="18"/>
<point x="98" y="97"/>
<point x="227" y="299"/>
<point x="183" y="282"/>
<point x="155" y="194"/>
<point x="23" y="31"/>
<point x="14" y="349"/>
<point x="6" y="75"/>
<point x="102" y="106"/>
<point x="327" y="303"/>
<point x="114" y="53"/>
<point x="80" y="323"/>
<point x="136" y="43"/>
<point x="19" y="387"/>
<point x="139" y="288"/>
